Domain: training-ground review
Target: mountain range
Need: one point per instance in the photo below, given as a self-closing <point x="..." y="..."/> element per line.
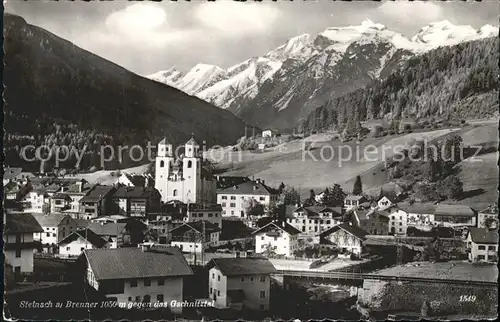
<point x="48" y="80"/>
<point x="280" y="88"/>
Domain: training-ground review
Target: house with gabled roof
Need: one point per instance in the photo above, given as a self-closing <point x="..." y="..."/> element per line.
<point x="78" y="241"/>
<point x="115" y="234"/>
<point x="97" y="202"/>
<point x="195" y="236"/>
<point x="455" y="215"/>
<point x="136" y="201"/>
<point x="482" y="245"/>
<point x="346" y="237"/>
<point x="354" y="201"/>
<point x="19" y="245"/>
<point x="276" y="238"/>
<point x="313" y="219"/>
<point x="373" y="221"/>
<point x="134" y="275"/>
<point x="488" y="218"/>
<point x="238" y="283"/>
<point x="55" y="227"/>
<point x="236" y="199"/>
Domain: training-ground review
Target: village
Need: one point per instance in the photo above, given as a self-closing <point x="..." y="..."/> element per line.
<point x="156" y="237"/>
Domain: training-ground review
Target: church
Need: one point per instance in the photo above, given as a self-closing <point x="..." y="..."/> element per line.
<point x="183" y="177"/>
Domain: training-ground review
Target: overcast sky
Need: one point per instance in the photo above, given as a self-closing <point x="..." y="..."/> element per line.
<point x="149" y="36"/>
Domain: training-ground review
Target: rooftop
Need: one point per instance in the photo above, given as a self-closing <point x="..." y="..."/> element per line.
<point x="353" y="197"/>
<point x="107" y="229"/>
<point x="21" y="223"/>
<point x="135" y="192"/>
<point x="86" y="234"/>
<point x="10" y="173"/>
<point x="242" y="266"/>
<point x="248" y="188"/>
<point x="454" y="210"/>
<point x="282" y="225"/>
<point x="483" y="235"/>
<point x="417" y="208"/>
<point x="51" y="220"/>
<point x="351" y="229"/>
<point x="130" y="263"/>
<point x="97" y="194"/>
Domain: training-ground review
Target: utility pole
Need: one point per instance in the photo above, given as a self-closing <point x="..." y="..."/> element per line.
<point x="253" y="132"/>
<point x="246" y="129"/>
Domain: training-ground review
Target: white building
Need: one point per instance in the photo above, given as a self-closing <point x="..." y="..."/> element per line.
<point x="211" y="213"/>
<point x="114" y="233"/>
<point x="314" y="219"/>
<point x="235" y="200"/>
<point x="352" y="201"/>
<point x="488" y="217"/>
<point x="38" y="200"/>
<point x="417" y="215"/>
<point x="277" y="238"/>
<point x="184" y="178"/>
<point x="78" y="241"/>
<point x="482" y="245"/>
<point x="194" y="236"/>
<point x="384" y="203"/>
<point x="269" y="133"/>
<point x="238" y="283"/>
<point x="138" y="275"/>
<point x="18" y="241"/>
<point x="55" y="227"/>
<point x="346" y="237"/>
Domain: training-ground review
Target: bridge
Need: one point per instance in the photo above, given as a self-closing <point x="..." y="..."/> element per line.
<point x="357" y="276"/>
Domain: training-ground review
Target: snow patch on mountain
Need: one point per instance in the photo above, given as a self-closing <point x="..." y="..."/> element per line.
<point x="169" y="76"/>
<point x="200" y="77"/>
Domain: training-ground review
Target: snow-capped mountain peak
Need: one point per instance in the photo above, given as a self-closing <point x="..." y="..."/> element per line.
<point x="169" y="76"/>
<point x="297" y="48"/>
<point x="488" y="31"/>
<point x="443" y="33"/>
<point x="200" y="77"/>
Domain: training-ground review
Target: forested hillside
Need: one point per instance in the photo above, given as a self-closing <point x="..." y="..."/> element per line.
<point x="59" y="94"/>
<point x="452" y="82"/>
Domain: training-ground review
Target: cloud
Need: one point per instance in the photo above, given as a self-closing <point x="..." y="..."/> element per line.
<point x="411" y="12"/>
<point x="235" y="18"/>
<point x="137" y="18"/>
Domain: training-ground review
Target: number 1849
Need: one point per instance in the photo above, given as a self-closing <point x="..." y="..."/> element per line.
<point x="467" y="298"/>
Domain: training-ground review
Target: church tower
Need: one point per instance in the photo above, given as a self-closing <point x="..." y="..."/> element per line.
<point x="164" y="160"/>
<point x="192" y="171"/>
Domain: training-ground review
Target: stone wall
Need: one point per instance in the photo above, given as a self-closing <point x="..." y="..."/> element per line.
<point x="378" y="295"/>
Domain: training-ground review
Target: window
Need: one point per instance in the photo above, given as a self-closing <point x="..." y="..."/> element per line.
<point x="67" y="248"/>
<point x="218" y="293"/>
<point x="147" y="282"/>
<point x="48" y="234"/>
<point x="232" y="205"/>
<point x="162" y="164"/>
<point x="137" y="298"/>
<point x="147" y="298"/>
<point x="262" y="198"/>
<point x="81" y="249"/>
<point x="133" y="283"/>
<point x="480" y="257"/>
<point x="262" y="294"/>
<point x="224" y="197"/>
<point x="218" y="277"/>
<point x="18" y="253"/>
<point x="243" y="279"/>
<point x="233" y="198"/>
<point x="175" y="192"/>
<point x="262" y="238"/>
<point x="213" y="275"/>
<point x="190" y="164"/>
<point x="161" y="281"/>
<point x="130" y="298"/>
<point x="211" y="290"/>
<point x="159" y="297"/>
<point x="251" y="279"/>
<point x="491" y="248"/>
<point x="482" y="247"/>
<point x="53" y="235"/>
<point x="261" y="306"/>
